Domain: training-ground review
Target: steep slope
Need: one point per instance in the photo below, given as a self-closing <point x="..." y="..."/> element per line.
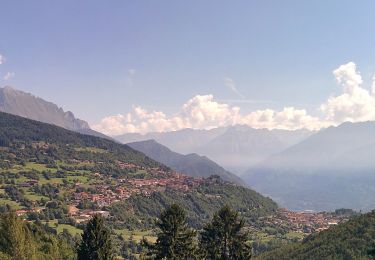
<point x="23" y="104"/>
<point x="351" y="240"/>
<point x="23" y="136"/>
<point x="333" y="168"/>
<point x="191" y="164"/>
<point x="235" y="148"/>
<point x="41" y="164"/>
<point x="200" y="204"/>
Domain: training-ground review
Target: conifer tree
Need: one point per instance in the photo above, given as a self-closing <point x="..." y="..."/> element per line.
<point x="223" y="238"/>
<point x="15" y="238"/>
<point x="96" y="241"/>
<point x="175" y="239"/>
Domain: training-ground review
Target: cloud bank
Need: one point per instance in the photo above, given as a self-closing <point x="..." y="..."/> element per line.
<point x="355" y="104"/>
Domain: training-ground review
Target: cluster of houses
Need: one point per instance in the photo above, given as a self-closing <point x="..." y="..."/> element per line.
<point x="176" y="181"/>
<point x="309" y="222"/>
<point x="105" y="195"/>
<point x="84" y="215"/>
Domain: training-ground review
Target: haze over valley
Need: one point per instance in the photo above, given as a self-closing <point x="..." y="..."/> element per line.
<point x="194" y="130"/>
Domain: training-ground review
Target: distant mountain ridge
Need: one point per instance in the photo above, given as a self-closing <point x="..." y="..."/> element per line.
<point x="24" y="104"/>
<point x="333" y="168"/>
<point x="190" y="164"/>
<point x="235" y="147"/>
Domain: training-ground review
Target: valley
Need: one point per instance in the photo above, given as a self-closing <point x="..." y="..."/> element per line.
<point x="62" y="179"/>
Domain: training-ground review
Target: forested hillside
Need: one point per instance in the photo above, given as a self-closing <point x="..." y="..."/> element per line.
<point x="354" y="239"/>
<point x="200" y="204"/>
<point x="54" y="175"/>
<point x="31" y="140"/>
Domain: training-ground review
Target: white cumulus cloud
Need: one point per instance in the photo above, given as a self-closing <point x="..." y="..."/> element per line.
<point x="203" y="112"/>
<point x="354" y="104"/>
<point x="2" y="59"/>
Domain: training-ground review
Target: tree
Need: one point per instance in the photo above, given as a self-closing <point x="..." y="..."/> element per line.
<point x="175" y="239"/>
<point x="15" y="238"/>
<point x="96" y="241"/>
<point x="223" y="238"/>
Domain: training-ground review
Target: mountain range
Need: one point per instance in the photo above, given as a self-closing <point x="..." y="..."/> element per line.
<point x="301" y="170"/>
<point x="330" y="169"/>
<point x="190" y="164"/>
<point x="40" y="153"/>
<point x="24" y="104"/>
<point x="236" y="148"/>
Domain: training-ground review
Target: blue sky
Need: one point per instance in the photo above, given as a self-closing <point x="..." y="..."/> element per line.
<point x="101" y="58"/>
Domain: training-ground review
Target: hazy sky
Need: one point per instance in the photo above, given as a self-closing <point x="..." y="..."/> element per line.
<point x="197" y="63"/>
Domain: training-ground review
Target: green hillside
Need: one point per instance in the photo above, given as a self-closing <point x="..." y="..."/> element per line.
<point x="27" y="140"/>
<point x="56" y="175"/>
<point x="351" y="240"/>
<point x="201" y="203"/>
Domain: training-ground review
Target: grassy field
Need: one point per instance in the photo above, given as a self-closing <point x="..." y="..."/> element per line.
<point x="34" y="197"/>
<point x="81" y="179"/>
<point x="13" y="204"/>
<point x="60" y="227"/>
<point x="293" y="235"/>
<point x="137" y="235"/>
<point x="28" y="167"/>
<point x="90" y="150"/>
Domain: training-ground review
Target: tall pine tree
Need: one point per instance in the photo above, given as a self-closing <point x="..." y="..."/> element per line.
<point x="223" y="238"/>
<point x="96" y="241"/>
<point x="175" y="239"/>
<point x="15" y="238"/>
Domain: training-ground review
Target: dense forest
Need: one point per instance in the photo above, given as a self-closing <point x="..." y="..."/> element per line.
<point x="200" y="205"/>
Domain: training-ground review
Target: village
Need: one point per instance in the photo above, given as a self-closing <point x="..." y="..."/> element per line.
<point x="103" y="191"/>
<point x="311" y="222"/>
<point x="103" y="195"/>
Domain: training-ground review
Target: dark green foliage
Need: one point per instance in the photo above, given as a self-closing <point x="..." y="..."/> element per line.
<point x="25" y="241"/>
<point x="175" y="240"/>
<point x="200" y="204"/>
<point x="15" y="238"/>
<point x="354" y="239"/>
<point x="223" y="238"/>
<point x="18" y="134"/>
<point x="96" y="241"/>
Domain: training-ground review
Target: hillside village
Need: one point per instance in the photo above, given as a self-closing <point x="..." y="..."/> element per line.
<point x="102" y="192"/>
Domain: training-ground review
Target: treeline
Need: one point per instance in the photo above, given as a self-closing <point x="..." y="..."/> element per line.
<point x="223" y="239"/>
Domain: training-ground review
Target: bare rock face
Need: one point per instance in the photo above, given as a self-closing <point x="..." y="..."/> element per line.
<point x="24" y="104"/>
